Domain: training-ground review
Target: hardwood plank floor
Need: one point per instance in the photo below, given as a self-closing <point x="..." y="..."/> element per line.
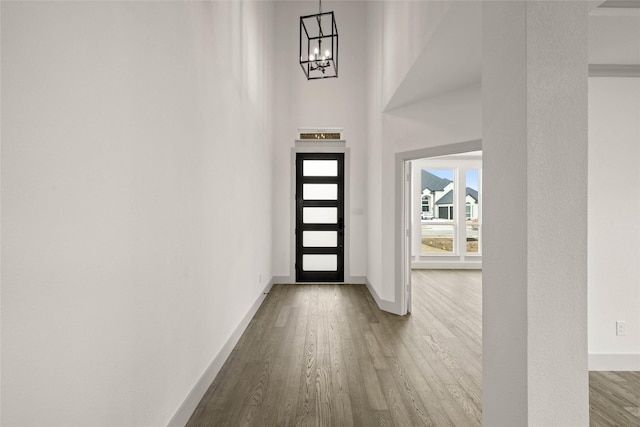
<point x="325" y="355"/>
<point x="614" y="399"/>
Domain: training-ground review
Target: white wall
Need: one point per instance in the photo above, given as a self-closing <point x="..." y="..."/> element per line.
<point x="407" y="27"/>
<point x="440" y="53"/>
<point x="437" y="121"/>
<point x="534" y="154"/>
<point x="614" y="229"/>
<point x="136" y="202"/>
<point x="374" y="103"/>
<point x="319" y="103"/>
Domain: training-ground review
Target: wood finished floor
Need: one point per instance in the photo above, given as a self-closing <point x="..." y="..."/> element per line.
<point x="325" y="355"/>
<point x="614" y="399"/>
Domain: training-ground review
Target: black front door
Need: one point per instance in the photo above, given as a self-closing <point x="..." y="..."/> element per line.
<point x="320" y="217"/>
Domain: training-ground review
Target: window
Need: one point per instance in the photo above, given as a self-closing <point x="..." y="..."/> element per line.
<point x="449" y="207"/>
<point x="472" y="207"/>
<point x="426" y="207"/>
<point x="438" y="230"/>
<point x="437" y="238"/>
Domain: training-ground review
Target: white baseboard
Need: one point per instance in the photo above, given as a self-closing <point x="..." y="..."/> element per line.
<point x="614" y="362"/>
<point x="383" y="304"/>
<point x="289" y="280"/>
<point x="446" y="265"/>
<point x="190" y="403"/>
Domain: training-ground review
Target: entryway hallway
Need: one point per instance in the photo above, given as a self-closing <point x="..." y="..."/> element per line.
<point x="326" y="355"/>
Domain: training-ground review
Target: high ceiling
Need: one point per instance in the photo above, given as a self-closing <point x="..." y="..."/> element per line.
<point x="614" y="35"/>
<point x="614" y="38"/>
<point x="457" y="45"/>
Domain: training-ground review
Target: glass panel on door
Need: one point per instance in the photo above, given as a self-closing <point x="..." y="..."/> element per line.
<point x="320" y="167"/>
<point x="320" y="191"/>
<point x="319" y="262"/>
<point x="319" y="215"/>
<point x="320" y="239"/>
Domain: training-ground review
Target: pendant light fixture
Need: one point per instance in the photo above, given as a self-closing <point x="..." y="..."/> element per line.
<point x="319" y="45"/>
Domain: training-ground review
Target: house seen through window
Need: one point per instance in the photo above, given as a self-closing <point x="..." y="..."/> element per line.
<point x="438" y="230"/>
<point x="472" y="209"/>
<point x="439" y="204"/>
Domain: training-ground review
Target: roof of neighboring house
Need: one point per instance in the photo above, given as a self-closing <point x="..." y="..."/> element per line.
<point x="473" y="193"/>
<point x="433" y="182"/>
<point x="447" y="198"/>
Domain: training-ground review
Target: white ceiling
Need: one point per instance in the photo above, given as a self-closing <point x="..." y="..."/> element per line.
<point x="614" y="38"/>
<point x="457" y="45"/>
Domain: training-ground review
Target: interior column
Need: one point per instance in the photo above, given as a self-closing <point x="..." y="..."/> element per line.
<point x="534" y="83"/>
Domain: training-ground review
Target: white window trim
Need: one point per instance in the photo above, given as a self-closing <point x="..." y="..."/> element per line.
<point x="459" y="222"/>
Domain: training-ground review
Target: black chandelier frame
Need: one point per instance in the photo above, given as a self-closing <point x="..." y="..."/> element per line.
<point x="318" y="67"/>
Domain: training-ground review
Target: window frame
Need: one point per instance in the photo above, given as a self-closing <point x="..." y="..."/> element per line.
<point x="458" y="222"/>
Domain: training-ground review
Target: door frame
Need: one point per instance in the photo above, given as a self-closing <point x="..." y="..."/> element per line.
<point x="324" y="147"/>
<point x="335" y="276"/>
<point x="406" y="226"/>
<point x="402" y="240"/>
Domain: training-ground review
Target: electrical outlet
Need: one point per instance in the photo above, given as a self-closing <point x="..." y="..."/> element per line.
<point x="621" y="328"/>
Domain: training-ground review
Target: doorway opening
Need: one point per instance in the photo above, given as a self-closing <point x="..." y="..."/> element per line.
<point x="439" y="211"/>
<point x="437" y="215"/>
